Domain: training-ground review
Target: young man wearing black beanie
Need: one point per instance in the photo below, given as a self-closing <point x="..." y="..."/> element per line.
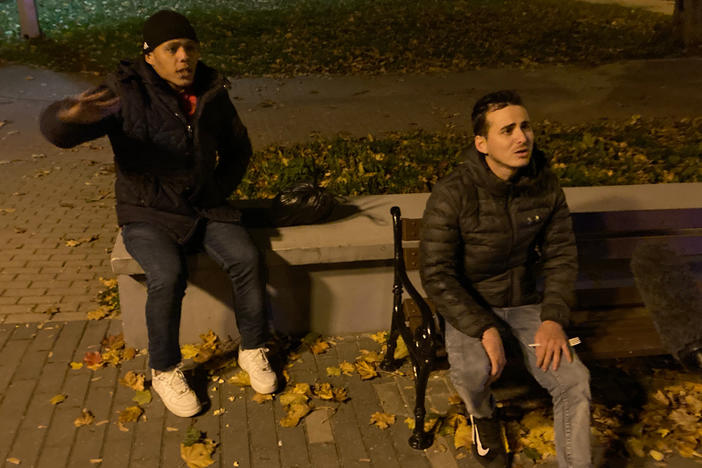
<point x="180" y="150"/>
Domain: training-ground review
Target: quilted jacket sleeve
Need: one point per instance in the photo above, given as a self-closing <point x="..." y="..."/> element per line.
<point x="234" y="149"/>
<point x="68" y="135"/>
<point x="441" y="263"/>
<point x="560" y="264"/>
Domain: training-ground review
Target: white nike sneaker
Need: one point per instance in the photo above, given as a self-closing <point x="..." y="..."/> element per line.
<point x="255" y="362"/>
<point x="175" y="392"/>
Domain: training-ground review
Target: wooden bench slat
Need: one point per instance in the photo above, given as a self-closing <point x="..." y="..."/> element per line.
<point x="615" y="222"/>
<point x="623" y="247"/>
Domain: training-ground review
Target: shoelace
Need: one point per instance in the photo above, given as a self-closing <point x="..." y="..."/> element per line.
<point x="261" y="359"/>
<point x="177" y="382"/>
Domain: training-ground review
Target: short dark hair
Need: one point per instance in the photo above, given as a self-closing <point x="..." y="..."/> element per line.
<point x="492" y="102"/>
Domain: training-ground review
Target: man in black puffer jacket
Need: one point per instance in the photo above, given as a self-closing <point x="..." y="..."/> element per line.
<point x="180" y="150"/>
<point x="490" y="229"/>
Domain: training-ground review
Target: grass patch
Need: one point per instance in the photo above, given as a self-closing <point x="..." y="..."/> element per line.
<point x="298" y="37"/>
<point x="637" y="151"/>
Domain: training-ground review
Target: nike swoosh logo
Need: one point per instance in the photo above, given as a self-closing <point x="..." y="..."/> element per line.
<point x="476" y="440"/>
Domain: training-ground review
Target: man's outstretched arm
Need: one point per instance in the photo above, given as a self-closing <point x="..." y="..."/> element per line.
<point x="77" y="119"/>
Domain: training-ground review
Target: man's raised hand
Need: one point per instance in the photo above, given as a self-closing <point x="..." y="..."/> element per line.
<point x="90" y="106"/>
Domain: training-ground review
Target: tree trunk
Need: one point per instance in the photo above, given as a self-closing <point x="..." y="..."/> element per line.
<point x="29" y="22"/>
<point x="688" y="23"/>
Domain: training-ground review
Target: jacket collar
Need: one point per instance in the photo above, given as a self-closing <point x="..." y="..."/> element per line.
<point x="206" y="78"/>
<point x="526" y="177"/>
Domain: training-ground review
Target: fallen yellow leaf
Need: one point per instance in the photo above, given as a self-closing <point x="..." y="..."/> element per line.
<point x="13" y="460"/>
<point x="366" y="370"/>
<point x="380" y="337"/>
<point x="340" y="394"/>
<point x="320" y="346"/>
<point x="85" y="418"/>
<point x="347" y="368"/>
<point x="142" y="397"/>
<point x="93" y="360"/>
<point x="133" y="380"/>
<point x="463" y="437"/>
<point x="323" y="391"/>
<point x="261" y="398"/>
<point x="656" y="455"/>
<point x="198" y="455"/>
<point x="128" y="354"/>
<point x="371" y="357"/>
<point x="295" y="412"/>
<point x="333" y="371"/>
<point x="382" y="420"/>
<point x="56" y="399"/>
<point x="130" y="414"/>
<point x="76" y="365"/>
<point x="288" y="398"/>
<point x="401" y="350"/>
<point x="189" y="351"/>
<point x="242" y="379"/>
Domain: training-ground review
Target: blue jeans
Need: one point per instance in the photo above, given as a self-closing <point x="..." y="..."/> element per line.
<point x="164" y="263"/>
<point x="569" y="386"/>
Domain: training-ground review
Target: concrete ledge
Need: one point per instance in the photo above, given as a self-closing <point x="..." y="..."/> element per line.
<point x="336" y="278"/>
<point x="367" y="235"/>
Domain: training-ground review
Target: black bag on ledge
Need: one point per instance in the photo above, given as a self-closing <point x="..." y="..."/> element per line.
<point x="303" y="203"/>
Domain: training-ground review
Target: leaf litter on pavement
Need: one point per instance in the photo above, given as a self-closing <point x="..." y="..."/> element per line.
<point x="668" y="424"/>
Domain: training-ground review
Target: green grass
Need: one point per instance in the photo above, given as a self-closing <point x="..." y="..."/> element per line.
<point x="637" y="151"/>
<point x="297" y="37"/>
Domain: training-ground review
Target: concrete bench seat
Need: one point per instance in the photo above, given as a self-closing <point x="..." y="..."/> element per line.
<point x="337" y="277"/>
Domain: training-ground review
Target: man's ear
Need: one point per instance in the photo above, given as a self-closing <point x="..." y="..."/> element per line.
<point x="149" y="58"/>
<point x="481" y="144"/>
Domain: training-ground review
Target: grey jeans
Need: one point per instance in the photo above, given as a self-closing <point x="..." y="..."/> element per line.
<point x="569" y="386"/>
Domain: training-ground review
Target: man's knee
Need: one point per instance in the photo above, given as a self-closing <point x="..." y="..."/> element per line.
<point x="572" y="377"/>
<point x="172" y="280"/>
<point x="469" y="370"/>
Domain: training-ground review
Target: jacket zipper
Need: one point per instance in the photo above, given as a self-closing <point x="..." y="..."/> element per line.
<point x="510" y="289"/>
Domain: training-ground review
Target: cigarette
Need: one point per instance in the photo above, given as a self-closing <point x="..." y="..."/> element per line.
<point x="572" y="342"/>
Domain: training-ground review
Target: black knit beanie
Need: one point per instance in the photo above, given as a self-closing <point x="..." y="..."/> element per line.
<point x="165" y="25"/>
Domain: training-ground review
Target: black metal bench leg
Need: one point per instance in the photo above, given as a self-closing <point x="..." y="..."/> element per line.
<point x="420" y="439"/>
<point x="389" y="363"/>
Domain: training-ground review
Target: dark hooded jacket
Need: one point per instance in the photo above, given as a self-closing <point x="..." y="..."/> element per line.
<point x="485" y="242"/>
<point x="171" y="171"/>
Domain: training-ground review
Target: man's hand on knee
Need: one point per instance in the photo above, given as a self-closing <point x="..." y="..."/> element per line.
<point x="492" y="342"/>
<point x="551" y="341"/>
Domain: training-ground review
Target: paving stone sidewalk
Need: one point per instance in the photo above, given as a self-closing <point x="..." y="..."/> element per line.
<point x="34" y="367"/>
<point x="49" y="196"/>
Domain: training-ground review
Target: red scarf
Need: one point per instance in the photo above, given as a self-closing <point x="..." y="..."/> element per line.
<point x="188" y="102"/>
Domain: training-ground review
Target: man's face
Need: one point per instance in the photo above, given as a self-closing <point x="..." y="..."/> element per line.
<point x="509" y="140"/>
<point x="175" y="61"/>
